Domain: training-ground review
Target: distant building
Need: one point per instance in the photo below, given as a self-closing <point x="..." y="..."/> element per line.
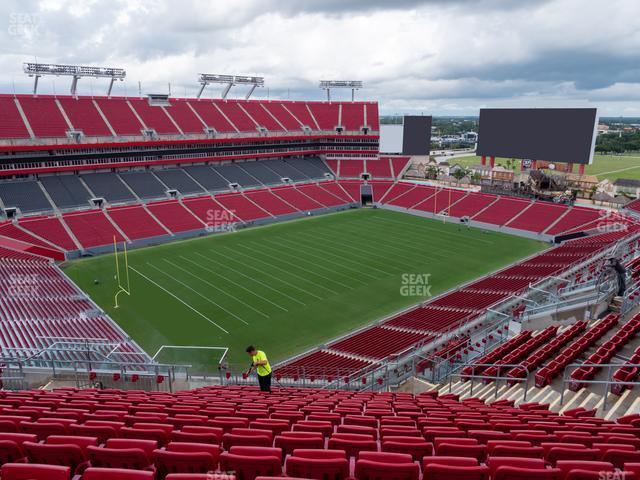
<point x="627" y="186"/>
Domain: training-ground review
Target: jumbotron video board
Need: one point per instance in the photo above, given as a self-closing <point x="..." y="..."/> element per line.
<point x="412" y="137"/>
<point x="557" y="135"/>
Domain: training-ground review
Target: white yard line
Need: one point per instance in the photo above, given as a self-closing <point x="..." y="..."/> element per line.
<point x="341" y="258"/>
<point x="189" y="287"/>
<point x="278" y="279"/>
<point x="307" y="253"/>
<point x="179" y="299"/>
<point x="328" y="279"/>
<point x="235" y="283"/>
<point x="252" y="279"/>
<point x="288" y="272"/>
<point x="233" y="297"/>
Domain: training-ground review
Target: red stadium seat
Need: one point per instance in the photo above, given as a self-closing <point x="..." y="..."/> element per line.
<point x="448" y="472"/>
<point x="25" y="471"/>
<point x="116" y="474"/>
<point x="247" y="467"/>
<point x="167" y="461"/>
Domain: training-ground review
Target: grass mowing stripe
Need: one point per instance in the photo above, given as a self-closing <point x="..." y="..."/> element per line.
<point x="252" y="279"/>
<point x="287" y="271"/>
<point x="426" y="227"/>
<point x="190" y="288"/>
<point x="272" y="276"/>
<point x="308" y="254"/>
<point x="342" y="259"/>
<point x="251" y="292"/>
<point x="177" y="298"/>
<point x="233" y="297"/>
<point x="333" y="280"/>
<point x="358" y="252"/>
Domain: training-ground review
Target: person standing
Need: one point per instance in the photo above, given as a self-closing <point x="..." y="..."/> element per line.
<point x="260" y="364"/>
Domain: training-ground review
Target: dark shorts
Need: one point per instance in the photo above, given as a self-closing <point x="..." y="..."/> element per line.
<point x="265" y="383"/>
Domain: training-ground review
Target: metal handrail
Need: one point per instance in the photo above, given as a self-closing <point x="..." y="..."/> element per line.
<point x="493" y="378"/>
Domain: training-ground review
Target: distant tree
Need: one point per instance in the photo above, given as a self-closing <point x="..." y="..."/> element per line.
<point x="460" y="173"/>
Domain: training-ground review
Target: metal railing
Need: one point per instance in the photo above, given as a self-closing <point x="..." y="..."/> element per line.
<point x="497" y="378"/>
<point x="607" y="384"/>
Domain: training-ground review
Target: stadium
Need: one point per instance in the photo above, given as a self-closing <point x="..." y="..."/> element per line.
<point x="416" y="328"/>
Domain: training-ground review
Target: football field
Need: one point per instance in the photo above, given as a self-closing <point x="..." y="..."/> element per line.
<point x="289" y="286"/>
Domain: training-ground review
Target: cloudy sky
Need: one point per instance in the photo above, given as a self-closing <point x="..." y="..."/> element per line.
<point x="432" y="56"/>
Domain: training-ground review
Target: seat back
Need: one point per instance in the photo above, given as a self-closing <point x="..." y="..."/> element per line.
<point x="318" y="468"/>
<point x="372" y="470"/>
<point x="116" y="474"/>
<point x="249" y="467"/>
<point x="127" y="458"/>
<point x="516" y="473"/>
<point x="65" y="455"/>
<point x="450" y="472"/>
<point x="471" y="451"/>
<point x="26" y="471"/>
<point x="167" y="462"/>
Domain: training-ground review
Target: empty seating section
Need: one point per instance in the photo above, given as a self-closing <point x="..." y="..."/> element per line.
<point x="51" y="229"/>
<point x="398" y="165"/>
<point x="502" y="211"/>
<point x="380" y="168"/>
<point x="180" y="111"/>
<point x="135" y="222"/>
<point x="555" y="367"/>
<point x="261" y="116"/>
<point x="241" y="206"/>
<point x="176" y="178"/>
<point x="39" y="306"/>
<point x="605" y="352"/>
<point x="312" y="167"/>
<point x="352" y="116"/>
<point x="173" y="215"/>
<point x="412" y="197"/>
<point x="9" y="229"/>
<point x="430" y="319"/>
<point x="262" y="172"/>
<point x="207" y="177"/>
<point x="144" y="184"/>
<point x="284" y="116"/>
<point x="378" y="342"/>
<point x="307" y="433"/>
<point x="108" y="186"/>
<point x="469" y="299"/>
<point x="320" y="195"/>
<point x="322" y="364"/>
<point x="538" y="217"/>
<point x="210" y="212"/>
<point x="397" y="190"/>
<point x="211" y="116"/>
<point x="120" y="116"/>
<point x="25" y="195"/>
<point x="44" y="116"/>
<point x="269" y="202"/>
<point x="286" y="169"/>
<point x="351" y="168"/>
<point x="303" y="114"/>
<point x="295" y="197"/>
<point x="337" y="191"/>
<point x="66" y="191"/>
<point x="234" y="174"/>
<point x="84" y="116"/>
<point x="373" y="119"/>
<point x="575" y="218"/>
<point x="11" y="124"/>
<point x="333" y="166"/>
<point x="236" y="116"/>
<point x="154" y="117"/>
<point x="92" y="228"/>
<point x="471" y="205"/>
<point x="326" y="114"/>
<point x="352" y="189"/>
<point x="440" y="201"/>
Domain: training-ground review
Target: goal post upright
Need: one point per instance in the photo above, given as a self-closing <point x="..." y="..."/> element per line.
<point x="120" y="287"/>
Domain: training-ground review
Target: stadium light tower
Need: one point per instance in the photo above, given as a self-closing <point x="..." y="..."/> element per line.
<point x="330" y="84"/>
<point x="230" y="80"/>
<point x="37" y="70"/>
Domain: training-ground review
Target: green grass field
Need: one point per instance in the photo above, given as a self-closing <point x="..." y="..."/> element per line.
<point x="604" y="166"/>
<point x="289" y="286"/>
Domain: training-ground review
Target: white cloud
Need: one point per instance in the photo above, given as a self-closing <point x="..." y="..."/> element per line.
<point x="436" y="56"/>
